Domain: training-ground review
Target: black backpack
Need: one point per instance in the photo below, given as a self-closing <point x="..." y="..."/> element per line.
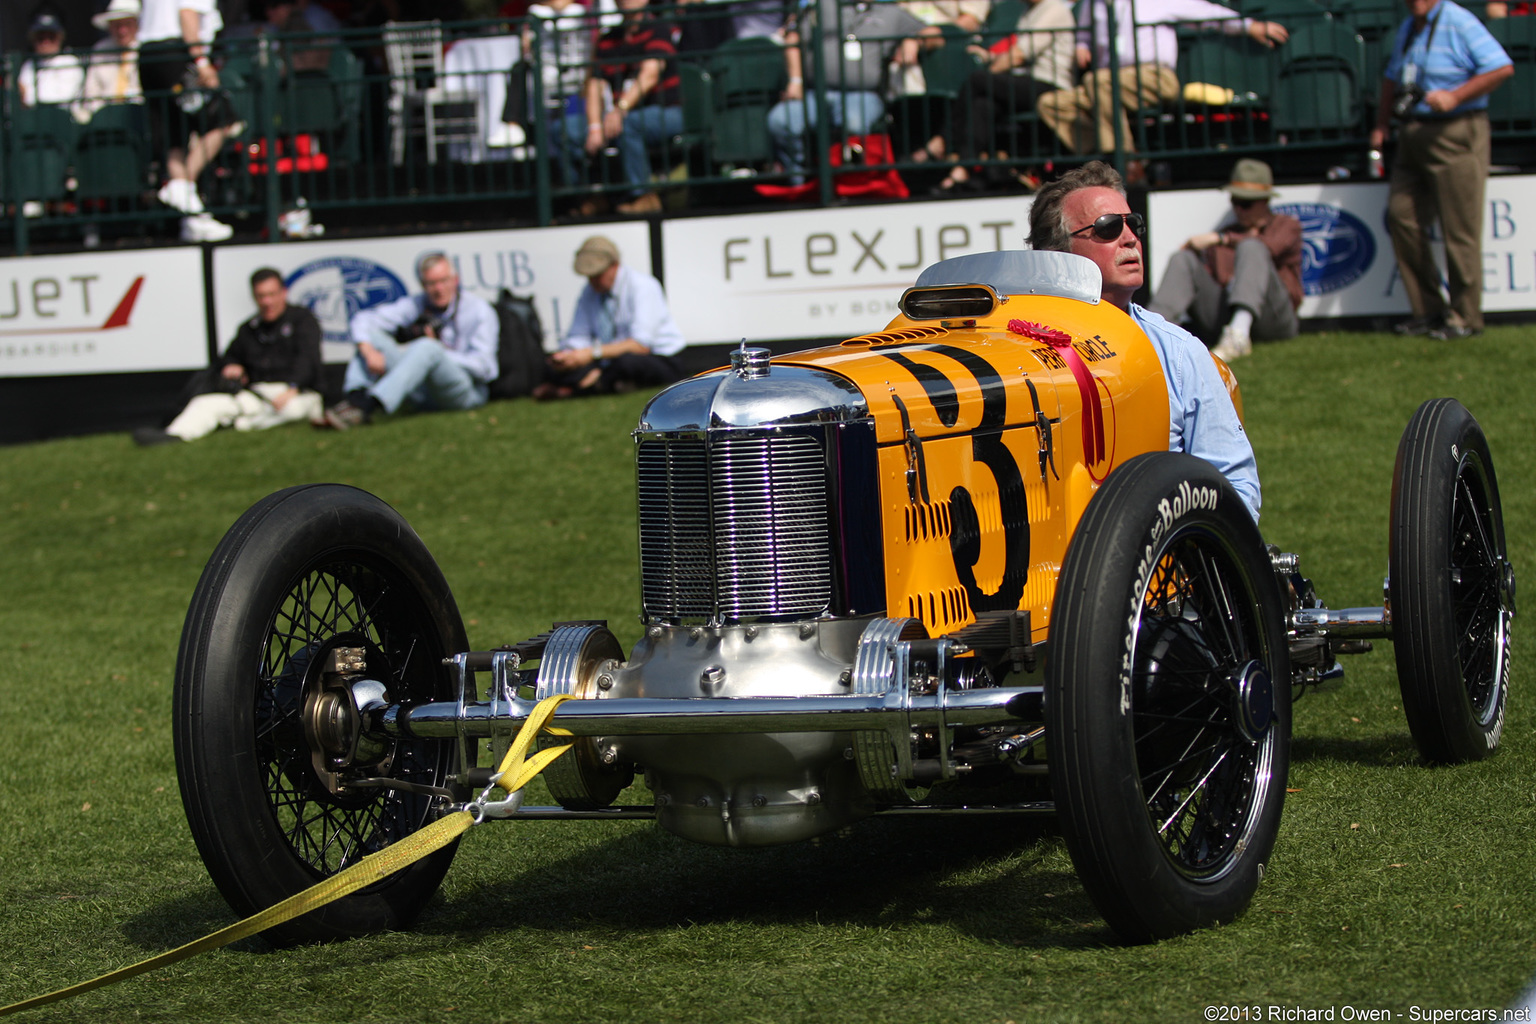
<point x="520" y="353"/>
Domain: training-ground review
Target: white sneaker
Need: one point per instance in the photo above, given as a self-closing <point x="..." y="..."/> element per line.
<point x="504" y="134"/>
<point x="1232" y="345"/>
<point x="201" y="227"/>
<point x="180" y="194"/>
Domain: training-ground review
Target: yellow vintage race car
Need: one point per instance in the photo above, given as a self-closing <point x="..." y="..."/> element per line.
<point x="950" y="567"/>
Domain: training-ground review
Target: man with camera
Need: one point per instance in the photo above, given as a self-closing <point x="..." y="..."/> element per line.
<point x="270" y="374"/>
<point x="1444" y="64"/>
<point x="437" y="349"/>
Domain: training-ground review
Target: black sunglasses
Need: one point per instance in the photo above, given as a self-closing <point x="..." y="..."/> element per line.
<point x="1108" y="227"/>
<point x="1243" y="204"/>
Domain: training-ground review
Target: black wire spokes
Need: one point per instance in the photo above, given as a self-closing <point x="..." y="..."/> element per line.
<point x="324" y="832"/>
<point x="1476" y="592"/>
<point x="1198" y="772"/>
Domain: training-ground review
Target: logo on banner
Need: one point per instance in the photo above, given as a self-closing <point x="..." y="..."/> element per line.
<point x="1337" y="248"/>
<point x="337" y="287"/>
<point x="43" y="299"/>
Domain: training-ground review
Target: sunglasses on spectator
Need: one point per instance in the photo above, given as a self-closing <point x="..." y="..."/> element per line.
<point x="1108" y="227"/>
<point x="1243" y="204"/>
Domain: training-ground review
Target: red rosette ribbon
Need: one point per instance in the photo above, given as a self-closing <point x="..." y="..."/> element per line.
<point x="1087" y="387"/>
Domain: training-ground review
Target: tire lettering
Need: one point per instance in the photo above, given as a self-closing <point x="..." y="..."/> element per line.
<point x="1187" y="498"/>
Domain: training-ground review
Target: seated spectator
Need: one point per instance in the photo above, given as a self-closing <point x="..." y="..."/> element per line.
<point x="1036" y="59"/>
<point x="565" y="51"/>
<point x="969" y="15"/>
<point x="622" y="336"/>
<point x="633" y="99"/>
<point x="1146" y="49"/>
<point x="858" y="41"/>
<point x="1244" y="278"/>
<point x="270" y="374"/>
<point x="190" y="116"/>
<point x="113" y="73"/>
<point x="49" y="75"/>
<point x="437" y="350"/>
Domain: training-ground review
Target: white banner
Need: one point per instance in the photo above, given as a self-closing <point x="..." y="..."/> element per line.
<point x="102" y="313"/>
<point x="820" y="273"/>
<point x="1347" y="264"/>
<point x="337" y="278"/>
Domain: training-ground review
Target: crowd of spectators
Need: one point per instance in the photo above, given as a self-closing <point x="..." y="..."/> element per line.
<point x="602" y="79"/>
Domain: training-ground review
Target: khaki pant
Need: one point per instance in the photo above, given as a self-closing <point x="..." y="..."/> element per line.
<point x="250" y="409"/>
<point x="1084" y="117"/>
<point x="1441" y="173"/>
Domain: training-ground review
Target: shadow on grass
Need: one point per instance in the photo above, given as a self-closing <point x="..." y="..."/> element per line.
<point x="986" y="877"/>
<point x="184" y="919"/>
<point x="1394" y="750"/>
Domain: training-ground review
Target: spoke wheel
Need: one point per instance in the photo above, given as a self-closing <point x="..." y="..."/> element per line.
<point x="1451" y="585"/>
<point x="269" y="779"/>
<point x="1167" y="689"/>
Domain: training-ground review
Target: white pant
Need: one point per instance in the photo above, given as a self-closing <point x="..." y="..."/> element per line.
<point x="250" y="409"/>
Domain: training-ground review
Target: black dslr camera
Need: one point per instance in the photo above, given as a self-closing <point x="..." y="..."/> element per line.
<point x="1408" y="97"/>
<point x="427" y="324"/>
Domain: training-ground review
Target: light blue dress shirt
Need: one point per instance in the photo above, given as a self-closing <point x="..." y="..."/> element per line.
<point x="1452" y="47"/>
<point x="470" y="332"/>
<point x="636" y="307"/>
<point x="1201" y="418"/>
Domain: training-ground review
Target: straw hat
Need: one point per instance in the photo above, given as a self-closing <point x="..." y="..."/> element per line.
<point x="117" y="10"/>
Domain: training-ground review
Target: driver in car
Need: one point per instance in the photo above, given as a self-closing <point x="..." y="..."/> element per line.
<point x="1085" y="212"/>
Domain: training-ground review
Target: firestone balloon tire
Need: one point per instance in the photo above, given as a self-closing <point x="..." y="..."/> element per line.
<point x="1168" y="699"/>
<point x="1451" y="587"/>
<point x="305" y="570"/>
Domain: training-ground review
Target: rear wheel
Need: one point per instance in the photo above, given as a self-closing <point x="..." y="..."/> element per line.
<point x="1167" y="699"/>
<point x="271" y="775"/>
<point x="1452" y="587"/>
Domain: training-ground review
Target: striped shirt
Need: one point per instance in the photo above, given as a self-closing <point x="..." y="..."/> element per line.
<point x="1452" y="47"/>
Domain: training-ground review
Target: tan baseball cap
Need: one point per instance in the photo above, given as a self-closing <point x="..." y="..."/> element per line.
<point x="1252" y="179"/>
<point x="596" y="255"/>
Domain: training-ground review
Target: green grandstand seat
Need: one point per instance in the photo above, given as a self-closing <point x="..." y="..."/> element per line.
<point x="111" y="156"/>
<point x="1318" y="85"/>
<point x="42" y="141"/>
<point x="746" y="78"/>
<point x="1512" y="106"/>
<point x="916" y="119"/>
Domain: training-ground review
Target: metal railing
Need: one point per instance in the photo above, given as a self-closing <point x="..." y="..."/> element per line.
<point x="347" y="126"/>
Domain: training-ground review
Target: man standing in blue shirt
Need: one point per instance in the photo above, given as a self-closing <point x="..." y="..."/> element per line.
<point x="1444" y="64"/>
<point x="622" y="336"/>
<point x="1085" y="212"/>
<point x="438" y="349"/>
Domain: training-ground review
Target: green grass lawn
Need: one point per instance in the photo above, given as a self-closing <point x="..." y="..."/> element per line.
<point x="1393" y="885"/>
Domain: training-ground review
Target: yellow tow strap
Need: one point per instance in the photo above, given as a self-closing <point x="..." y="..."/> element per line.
<point x="515" y="772"/>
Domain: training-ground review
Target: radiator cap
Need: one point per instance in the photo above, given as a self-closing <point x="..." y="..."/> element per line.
<point x="751" y="363"/>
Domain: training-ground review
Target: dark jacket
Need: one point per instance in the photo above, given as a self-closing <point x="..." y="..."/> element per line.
<point x="287" y="350"/>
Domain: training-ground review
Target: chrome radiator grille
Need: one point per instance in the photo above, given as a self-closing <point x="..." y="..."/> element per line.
<point x="736" y="528"/>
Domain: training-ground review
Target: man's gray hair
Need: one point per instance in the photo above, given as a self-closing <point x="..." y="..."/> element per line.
<point x="431" y="260"/>
<point x="1048" y="227"/>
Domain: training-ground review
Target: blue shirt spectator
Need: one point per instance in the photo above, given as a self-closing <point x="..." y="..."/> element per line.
<point x="437" y="349"/>
<point x="469" y="329"/>
<point x="622" y="336"/>
<point x="636" y="307"/>
<point x="1452" y="47"/>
